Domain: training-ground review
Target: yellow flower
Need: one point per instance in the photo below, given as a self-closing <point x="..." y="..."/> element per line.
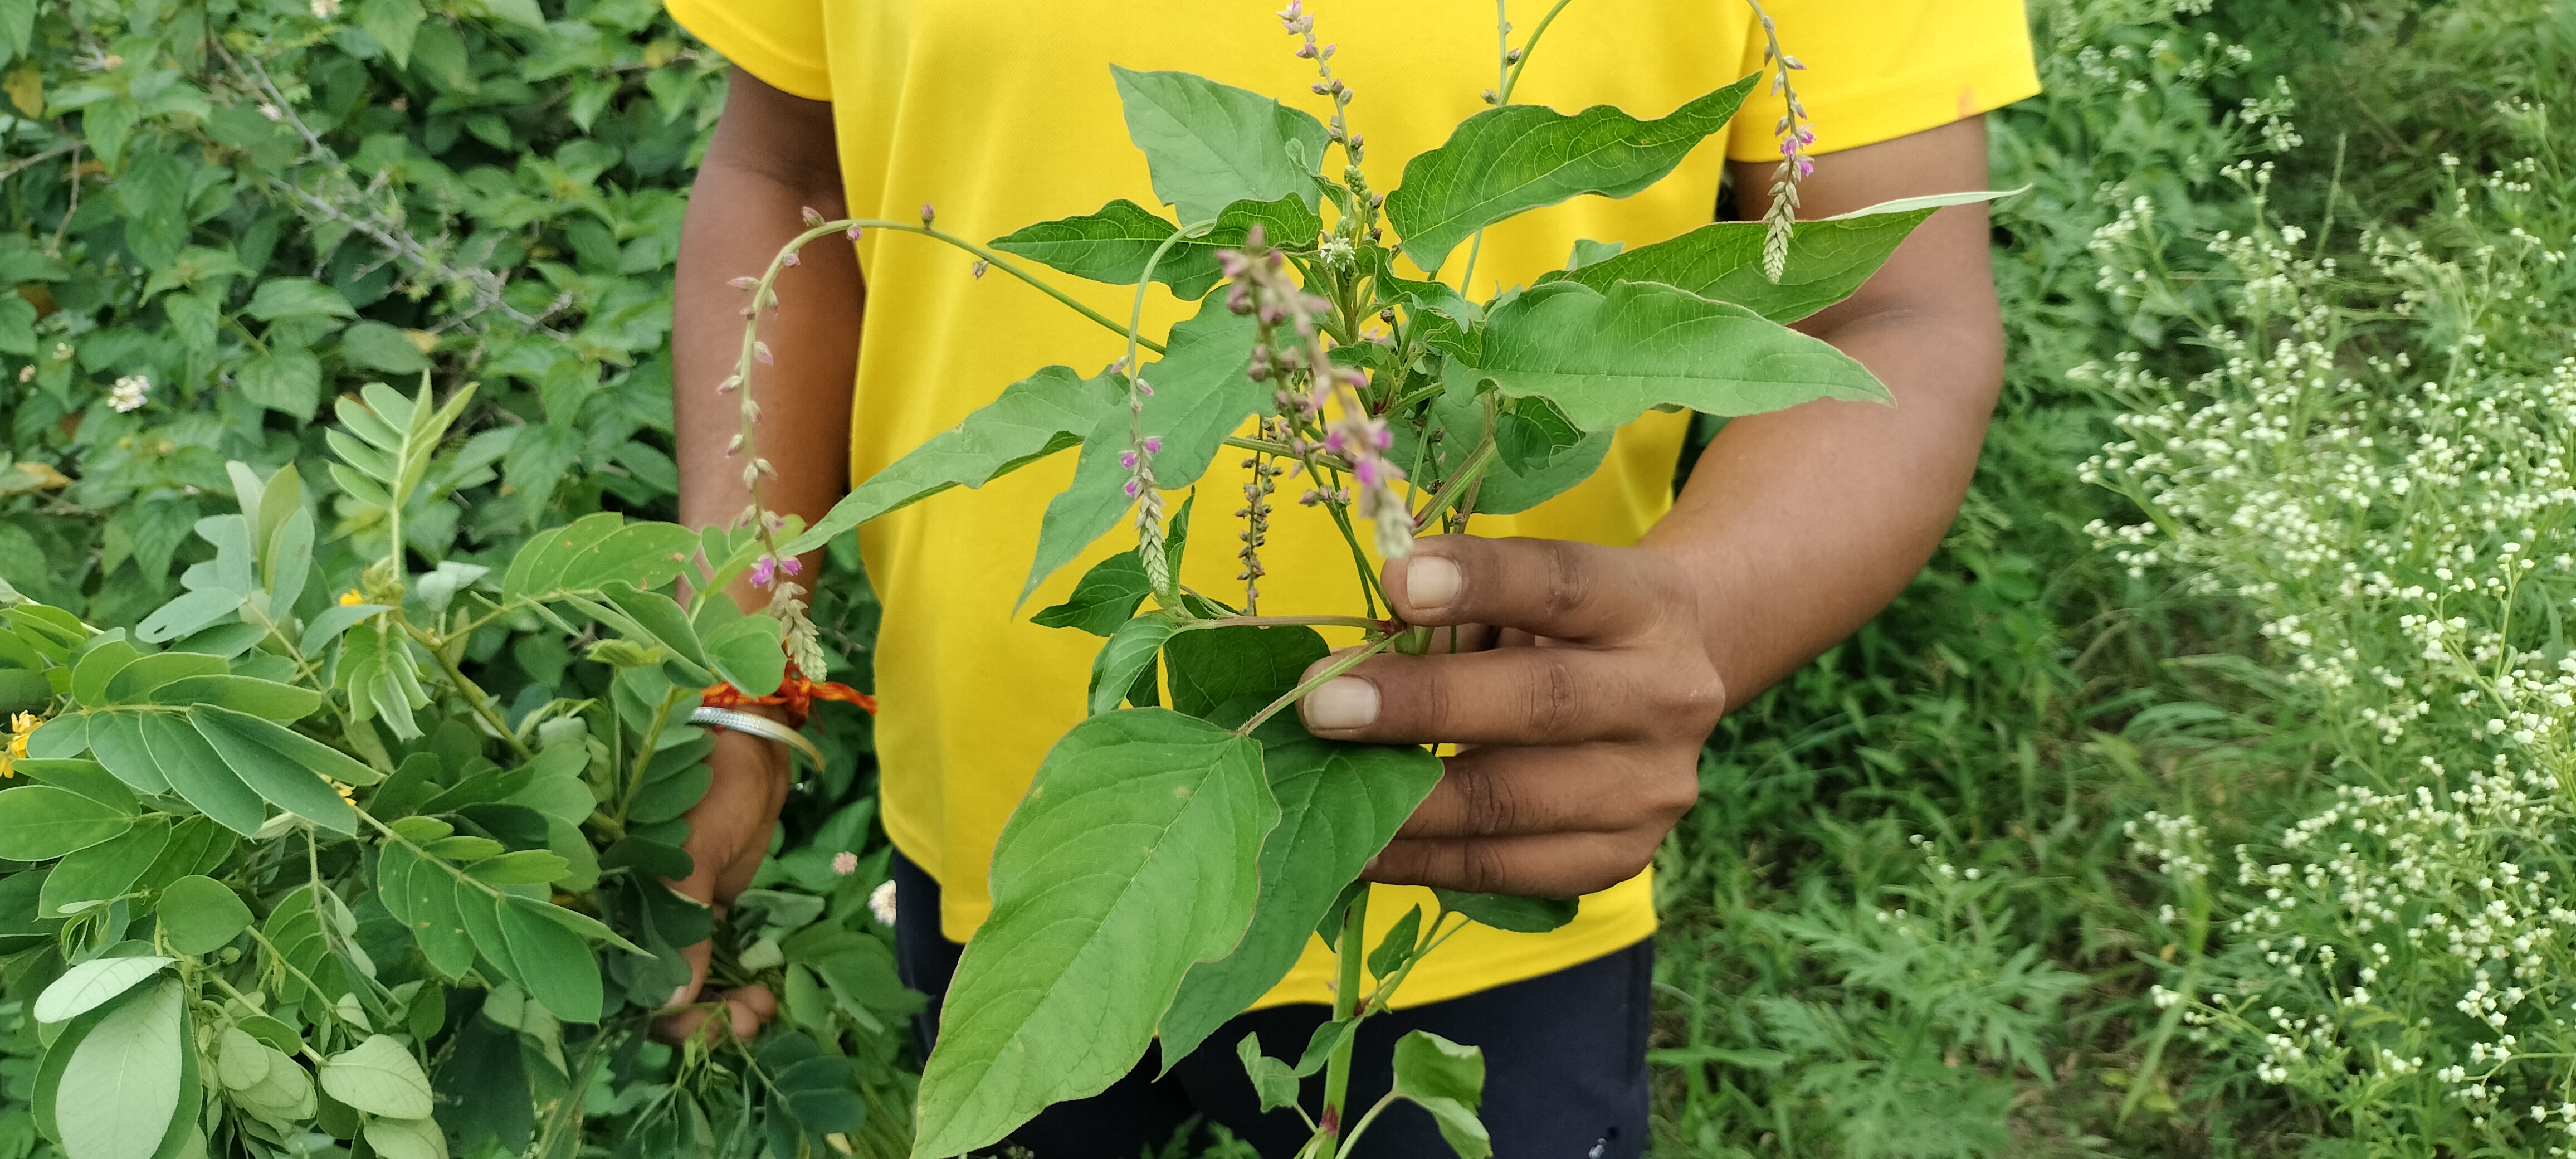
<point x="351" y="598"/>
<point x="19" y="727"/>
<point x="347" y="793"/>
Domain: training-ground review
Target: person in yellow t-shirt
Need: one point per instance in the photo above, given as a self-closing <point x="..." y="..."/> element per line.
<point x="1792" y="530"/>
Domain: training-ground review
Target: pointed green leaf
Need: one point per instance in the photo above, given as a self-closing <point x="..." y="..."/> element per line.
<point x="200" y="915"/>
<point x="1114" y="244"/>
<point x="334" y="620"/>
<point x="1209" y="145"/>
<point x="243" y="743"/>
<point x="539" y="566"/>
<point x="1107" y="597"/>
<point x="133" y="682"/>
<point x="200" y="775"/>
<point x="1130" y="857"/>
<point x="1508" y="160"/>
<point x="1128" y="653"/>
<point x="1224" y="675"/>
<point x="87" y="778"/>
<point x="1339" y="806"/>
<point x="116" y="738"/>
<point x="643" y="556"/>
<point x="1447" y="1080"/>
<point x="1200" y="396"/>
<point x="1272" y="1080"/>
<point x="1397" y="946"/>
<point x="262" y="698"/>
<point x="42" y="822"/>
<point x="1520" y="915"/>
<point x="1605" y="359"/>
<point x="1034" y="417"/>
<point x="1828" y="260"/>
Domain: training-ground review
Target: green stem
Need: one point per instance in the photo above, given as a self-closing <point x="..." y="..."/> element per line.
<point x="1279" y="622"/>
<point x="474" y="695"/>
<point x="644" y="754"/>
<point x="1312" y="683"/>
<point x="1351" y="1142"/>
<point x="1460" y="484"/>
<point x="1275" y="447"/>
<point x="1346" y="996"/>
<point x="1513" y="81"/>
<point x="1371" y="595"/>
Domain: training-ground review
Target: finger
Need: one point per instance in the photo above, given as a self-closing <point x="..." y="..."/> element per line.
<point x="1511" y="792"/>
<point x="750" y="1008"/>
<point x="1518" y="696"/>
<point x="1546" y="587"/>
<point x="1551" y="865"/>
<point x="679" y="1025"/>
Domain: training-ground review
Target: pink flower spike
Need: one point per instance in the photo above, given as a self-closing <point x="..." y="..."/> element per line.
<point x="845" y="863"/>
<point x="1127" y="460"/>
<point x="764" y="571"/>
<point x="791" y="565"/>
<point x="1134" y="488"/>
<point x="1153" y="444"/>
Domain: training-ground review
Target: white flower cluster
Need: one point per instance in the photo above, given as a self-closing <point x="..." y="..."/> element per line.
<point x="2377" y="466"/>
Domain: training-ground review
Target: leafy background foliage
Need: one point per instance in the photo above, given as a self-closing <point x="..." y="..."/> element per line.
<point x="258" y="206"/>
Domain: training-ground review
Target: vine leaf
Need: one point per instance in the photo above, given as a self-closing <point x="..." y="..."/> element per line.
<point x="1127" y="655"/>
<point x="1139" y="863"/>
<point x="1034" y="418"/>
<point x="1200" y="396"/>
<point x="1339" y="804"/>
<point x="1209" y="145"/>
<point x="1606" y="358"/>
<point x="1520" y="915"/>
<point x="1107" y="597"/>
<point x="1508" y="160"/>
<point x="1448" y="1080"/>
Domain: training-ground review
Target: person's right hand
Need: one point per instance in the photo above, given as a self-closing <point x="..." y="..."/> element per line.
<point x="728" y="835"/>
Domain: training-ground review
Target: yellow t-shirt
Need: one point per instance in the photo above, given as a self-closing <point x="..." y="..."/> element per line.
<point x="1004" y="114"/>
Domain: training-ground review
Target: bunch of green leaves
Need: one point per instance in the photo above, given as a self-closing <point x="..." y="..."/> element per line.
<point x="278" y="873"/>
<point x="1100" y="943"/>
<point x="242" y="209"/>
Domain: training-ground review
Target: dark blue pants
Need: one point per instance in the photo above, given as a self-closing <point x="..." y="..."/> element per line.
<point x="1565" y="1062"/>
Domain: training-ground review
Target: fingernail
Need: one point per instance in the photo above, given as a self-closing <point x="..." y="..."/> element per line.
<point x="677" y="997"/>
<point x="1430" y="582"/>
<point x="1345" y="702"/>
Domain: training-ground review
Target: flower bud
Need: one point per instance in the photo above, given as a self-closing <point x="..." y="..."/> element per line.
<point x="812" y="218"/>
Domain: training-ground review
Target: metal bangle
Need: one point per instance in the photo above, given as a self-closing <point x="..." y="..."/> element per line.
<point x="760" y="726"/>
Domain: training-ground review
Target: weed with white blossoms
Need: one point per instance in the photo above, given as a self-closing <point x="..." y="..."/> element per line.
<point x="2377" y="467"/>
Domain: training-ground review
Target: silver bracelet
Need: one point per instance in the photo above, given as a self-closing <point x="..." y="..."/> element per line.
<point x="754" y="724"/>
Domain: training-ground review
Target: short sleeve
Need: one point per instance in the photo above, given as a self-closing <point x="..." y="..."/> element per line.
<point x="1880" y="69"/>
<point x="779" y="41"/>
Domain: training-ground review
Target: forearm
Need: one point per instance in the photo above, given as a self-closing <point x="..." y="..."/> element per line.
<point x="1800" y="526"/>
<point x="741" y="212"/>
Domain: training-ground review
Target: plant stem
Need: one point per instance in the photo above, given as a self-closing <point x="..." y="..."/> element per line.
<point x="1351" y="1142"/>
<point x="1346" y="997"/>
<point x="474" y="696"/>
<point x="1513" y="80"/>
<point x="1274" y="447"/>
<point x="645" y="752"/>
<point x="1312" y="683"/>
<point x="1280" y="622"/>
<point x="1460" y="484"/>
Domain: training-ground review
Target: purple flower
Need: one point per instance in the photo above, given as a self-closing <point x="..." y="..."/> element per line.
<point x="763" y="571"/>
<point x="1153" y="444"/>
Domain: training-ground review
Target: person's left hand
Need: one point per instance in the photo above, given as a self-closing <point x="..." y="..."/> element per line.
<point x="1580" y="693"/>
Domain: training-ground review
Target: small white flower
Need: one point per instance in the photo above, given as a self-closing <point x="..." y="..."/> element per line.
<point x="881" y="903"/>
<point x="129" y="393"/>
<point x="325" y="9"/>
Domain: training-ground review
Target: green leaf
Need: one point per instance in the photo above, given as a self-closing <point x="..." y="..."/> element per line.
<point x="1130" y="857"/>
<point x="1273" y="1081"/>
<point x="1828" y="260"/>
<point x="1107" y="597"/>
<point x="378" y="1076"/>
<point x="379" y="346"/>
<point x="319" y="759"/>
<point x="406" y="1138"/>
<point x="1397" y="946"/>
<point x="1505" y="161"/>
<point x="106" y="870"/>
<point x="297" y="298"/>
<point x="1541" y="452"/>
<point x="660" y="618"/>
<point x="1128" y="653"/>
<point x="200" y="775"/>
<point x="332" y="621"/>
<point x="392" y="24"/>
<point x="87" y="778"/>
<point x="521" y="867"/>
<point x="286" y="379"/>
<point x="243" y="742"/>
<point x="1034" y="418"/>
<point x="1201" y="395"/>
<point x="186" y="614"/>
<point x="1224" y="675"/>
<point x="1114" y="244"/>
<point x="1447" y="1080"/>
<point x="1209" y="145"/>
<point x="1605" y="359"/>
<point x="116" y="738"/>
<point x="119" y="1097"/>
<point x="96" y="667"/>
<point x="427" y="904"/>
<point x="1520" y="915"/>
<point x="132" y="682"/>
<point x="200" y="915"/>
<point x="747" y="654"/>
<point x="197" y="846"/>
<point x="553" y="962"/>
<point x="261" y="698"/>
<point x="1339" y="806"/>
<point x="41" y="822"/>
<point x="92" y="984"/>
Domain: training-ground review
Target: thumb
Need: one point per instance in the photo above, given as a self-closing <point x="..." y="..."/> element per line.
<point x="699" y="886"/>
